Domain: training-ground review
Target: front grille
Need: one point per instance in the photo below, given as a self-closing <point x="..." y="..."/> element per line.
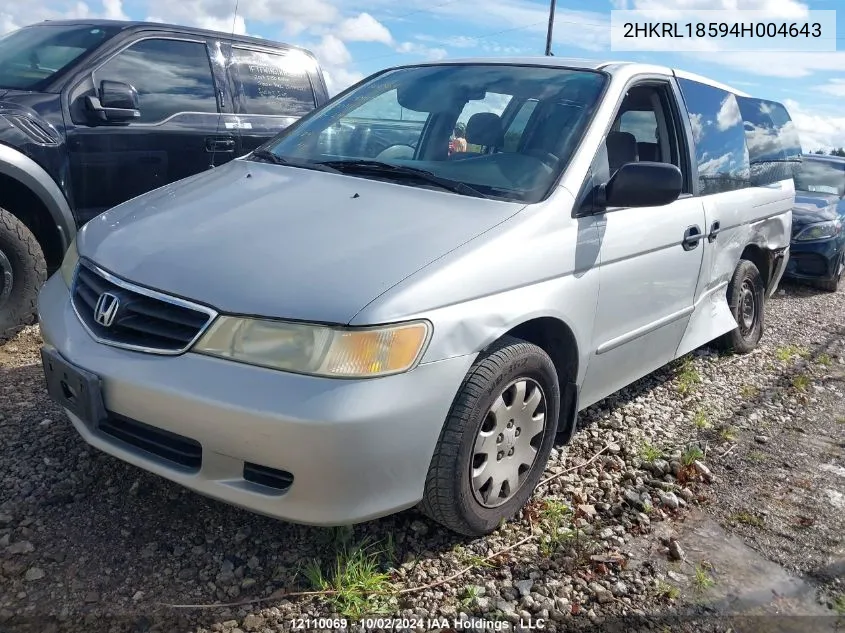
<point x="177" y="449"/>
<point x="144" y="320"/>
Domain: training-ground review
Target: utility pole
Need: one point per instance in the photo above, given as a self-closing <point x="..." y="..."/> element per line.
<point x="551" y="28"/>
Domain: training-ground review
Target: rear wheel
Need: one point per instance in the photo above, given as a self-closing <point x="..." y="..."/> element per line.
<point x="495" y="443"/>
<point x="746" y="298"/>
<point x="22" y="271"/>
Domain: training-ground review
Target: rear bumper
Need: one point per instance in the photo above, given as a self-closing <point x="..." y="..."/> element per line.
<point x="356" y="449"/>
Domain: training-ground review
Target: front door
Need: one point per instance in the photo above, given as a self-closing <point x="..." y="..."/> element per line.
<point x="650" y="258"/>
<point x="178" y="134"/>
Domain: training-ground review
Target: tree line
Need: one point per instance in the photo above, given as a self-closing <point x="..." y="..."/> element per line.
<point x="833" y="152"/>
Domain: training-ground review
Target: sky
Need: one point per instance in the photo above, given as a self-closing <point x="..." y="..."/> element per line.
<point x="353" y="38"/>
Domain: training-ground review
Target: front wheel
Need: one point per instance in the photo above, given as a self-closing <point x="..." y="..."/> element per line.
<point x="746" y="298"/>
<point x="495" y="443"/>
<point x="22" y="271"/>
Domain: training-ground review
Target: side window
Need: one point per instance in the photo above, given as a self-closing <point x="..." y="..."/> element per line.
<point x="774" y="150"/>
<point x="273" y="83"/>
<point x="641" y="123"/>
<point x="516" y="129"/>
<point x="719" y="133"/>
<point x="171" y="76"/>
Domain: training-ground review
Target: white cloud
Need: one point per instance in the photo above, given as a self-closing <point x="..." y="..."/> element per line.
<point x="697" y="125"/>
<point x="364" y="28"/>
<point x="817" y="130"/>
<point x="332" y="52"/>
<point x="729" y="114"/>
<point x="432" y="54"/>
<point x="835" y="87"/>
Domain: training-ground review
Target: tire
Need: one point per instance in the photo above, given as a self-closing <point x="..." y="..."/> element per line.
<point x="746" y="283"/>
<point x="450" y="498"/>
<point x="831" y="285"/>
<point x="22" y="272"/>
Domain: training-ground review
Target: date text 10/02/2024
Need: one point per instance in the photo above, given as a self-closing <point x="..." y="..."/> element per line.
<point x="721" y="29"/>
<point x="382" y="624"/>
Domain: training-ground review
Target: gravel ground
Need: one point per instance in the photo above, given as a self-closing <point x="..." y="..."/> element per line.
<point x="757" y="442"/>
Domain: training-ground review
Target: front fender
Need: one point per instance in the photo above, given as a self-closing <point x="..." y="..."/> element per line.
<point x="26" y="171"/>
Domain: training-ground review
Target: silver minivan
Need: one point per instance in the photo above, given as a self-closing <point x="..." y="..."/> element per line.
<point x="407" y="297"/>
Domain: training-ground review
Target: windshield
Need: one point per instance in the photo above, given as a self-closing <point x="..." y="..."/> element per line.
<point x="31" y="56"/>
<point x="500" y="131"/>
<point x="821" y="177"/>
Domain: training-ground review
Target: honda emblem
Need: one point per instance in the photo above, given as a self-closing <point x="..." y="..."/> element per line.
<point x="106" y="309"/>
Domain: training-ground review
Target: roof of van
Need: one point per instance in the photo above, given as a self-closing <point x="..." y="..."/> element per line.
<point x="124" y="25"/>
<point x="586" y="64"/>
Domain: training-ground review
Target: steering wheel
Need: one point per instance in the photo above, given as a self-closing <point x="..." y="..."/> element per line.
<point x="400" y="150"/>
<point x="547" y="158"/>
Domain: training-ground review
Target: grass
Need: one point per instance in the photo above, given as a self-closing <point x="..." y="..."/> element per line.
<point x="355" y="578"/>
<point x="839" y="605"/>
<point x="757" y="456"/>
<point x="840" y="419"/>
<point x="824" y="360"/>
<point x="691" y="454"/>
<point x="749" y="391"/>
<point x="801" y="382"/>
<point x="470" y="595"/>
<point x="701" y="420"/>
<point x="648" y="509"/>
<point x="557" y="516"/>
<point x="702" y="580"/>
<point x="746" y="518"/>
<point x="728" y="434"/>
<point x="666" y="590"/>
<point x="789" y="351"/>
<point x="650" y="453"/>
<point x="688" y="376"/>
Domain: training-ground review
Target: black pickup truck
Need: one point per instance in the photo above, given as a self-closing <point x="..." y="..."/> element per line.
<point x="95" y="112"/>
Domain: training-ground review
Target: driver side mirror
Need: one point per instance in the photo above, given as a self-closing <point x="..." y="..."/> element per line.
<point x="115" y="101"/>
<point x="642" y="184"/>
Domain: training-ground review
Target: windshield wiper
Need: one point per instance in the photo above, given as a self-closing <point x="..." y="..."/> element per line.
<point x="266" y="156"/>
<point x="402" y="171"/>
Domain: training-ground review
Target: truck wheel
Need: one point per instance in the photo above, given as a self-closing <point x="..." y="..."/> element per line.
<point x="22" y="271"/>
<point x="746" y="298"/>
<point x="495" y="443"/>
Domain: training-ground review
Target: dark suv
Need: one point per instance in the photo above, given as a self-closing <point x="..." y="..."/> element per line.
<point x="95" y="112"/>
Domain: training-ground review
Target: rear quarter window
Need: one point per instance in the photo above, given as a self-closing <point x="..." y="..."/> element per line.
<point x="719" y="135"/>
<point x="272" y="83"/>
<point x="774" y="148"/>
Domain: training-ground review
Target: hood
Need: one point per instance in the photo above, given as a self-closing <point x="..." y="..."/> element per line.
<point x="813" y="207"/>
<point x="269" y="240"/>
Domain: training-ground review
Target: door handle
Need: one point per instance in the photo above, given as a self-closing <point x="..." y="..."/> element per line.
<point x="220" y="145"/>
<point x="692" y="236"/>
<point x="715" y="229"/>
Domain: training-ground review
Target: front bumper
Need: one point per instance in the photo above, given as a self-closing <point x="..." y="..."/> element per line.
<point x="815" y="260"/>
<point x="357" y="449"/>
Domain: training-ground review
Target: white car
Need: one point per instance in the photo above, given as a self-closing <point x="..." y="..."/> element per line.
<point x="343" y="325"/>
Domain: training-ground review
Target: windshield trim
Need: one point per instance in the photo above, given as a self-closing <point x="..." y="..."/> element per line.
<point x="555" y="182"/>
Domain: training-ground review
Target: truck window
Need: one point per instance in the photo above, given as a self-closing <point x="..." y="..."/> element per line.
<point x="273" y="83"/>
<point x="33" y="55"/>
<point x="171" y="77"/>
<point x="774" y="149"/>
<point x="718" y="130"/>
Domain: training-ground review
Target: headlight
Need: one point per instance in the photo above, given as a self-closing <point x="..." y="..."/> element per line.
<point x="317" y="350"/>
<point x="819" y="231"/>
<point x="69" y="263"/>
